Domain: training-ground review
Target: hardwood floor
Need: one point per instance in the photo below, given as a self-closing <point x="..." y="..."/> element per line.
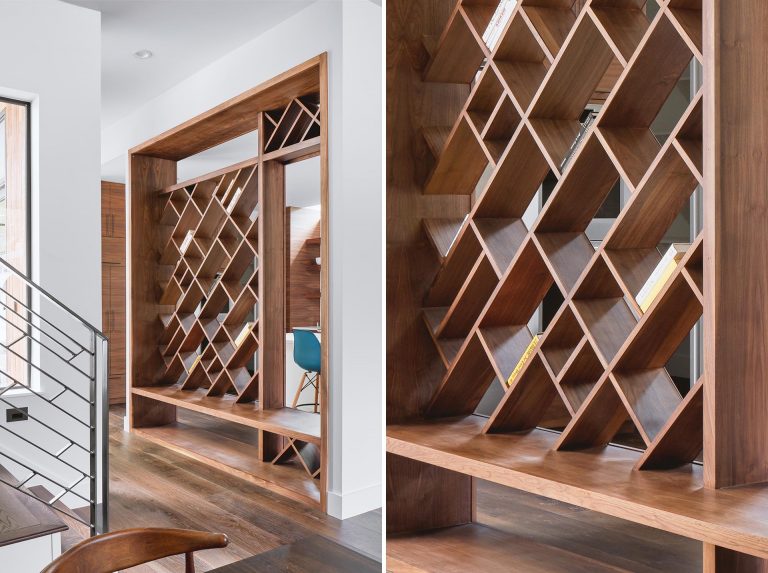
<point x="525" y="533"/>
<point x="151" y="486"/>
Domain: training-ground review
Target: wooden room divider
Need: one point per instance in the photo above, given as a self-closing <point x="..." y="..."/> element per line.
<point x="207" y="271"/>
<point x="473" y="132"/>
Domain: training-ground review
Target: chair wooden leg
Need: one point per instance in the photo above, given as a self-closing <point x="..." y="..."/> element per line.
<point x="317" y="392"/>
<point x="189" y="563"/>
<point x="298" y="390"/>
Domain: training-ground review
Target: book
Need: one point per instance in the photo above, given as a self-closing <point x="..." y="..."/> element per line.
<point x="186" y="242"/>
<point x="195" y="363"/>
<point x="529" y="350"/>
<point x="660" y="275"/>
<point x="233" y="201"/>
<point x="243" y="334"/>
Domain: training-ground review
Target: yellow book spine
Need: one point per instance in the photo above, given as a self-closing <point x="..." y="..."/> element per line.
<point x="647" y="300"/>
<point x="530" y="349"/>
<point x="243" y="334"/>
<point x="194" y="364"/>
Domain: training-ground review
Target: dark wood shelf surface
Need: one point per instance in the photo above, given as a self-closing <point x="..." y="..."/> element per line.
<point x="602" y="480"/>
<point x="224" y="449"/>
<point x="284" y="421"/>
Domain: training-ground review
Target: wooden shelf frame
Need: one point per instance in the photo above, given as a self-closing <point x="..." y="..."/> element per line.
<point x="600" y="355"/>
<point x="210" y="337"/>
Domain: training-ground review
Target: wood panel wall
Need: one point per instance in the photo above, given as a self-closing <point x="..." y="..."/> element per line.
<point x="302" y="272"/>
<point x="113" y="278"/>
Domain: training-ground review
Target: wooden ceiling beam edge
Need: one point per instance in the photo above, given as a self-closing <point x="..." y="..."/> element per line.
<point x="236" y="116"/>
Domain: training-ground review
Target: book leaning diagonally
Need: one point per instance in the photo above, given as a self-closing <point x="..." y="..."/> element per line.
<point x="530" y="349"/>
<point x="661" y="274"/>
<point x="187" y="240"/>
<point x="243" y="333"/>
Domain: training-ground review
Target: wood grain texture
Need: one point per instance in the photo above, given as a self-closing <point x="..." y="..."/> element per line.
<point x="130" y="547"/>
<point x="538" y="534"/>
<point x="736" y="393"/>
<point x="147" y="175"/>
<point x="153" y="486"/>
<point x="310" y="554"/>
<point x="411" y="484"/>
<point x="673" y="501"/>
<point x="234" y="117"/>
<point x="302" y="272"/>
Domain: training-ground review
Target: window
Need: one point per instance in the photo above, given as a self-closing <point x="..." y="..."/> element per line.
<point x="14" y="240"/>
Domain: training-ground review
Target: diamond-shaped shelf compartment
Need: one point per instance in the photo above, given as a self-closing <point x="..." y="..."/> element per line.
<point x="461" y="164"/>
<point x="687" y="17"/>
<point x="552" y="20"/>
<point x="513" y="184"/>
<point x="564" y="337"/>
<point x="461" y="257"/>
<point x="603" y="311"/>
<point x="298" y="122"/>
<point x="504" y="326"/>
<point x="641" y="92"/>
<point x="568" y="88"/>
<point x="460" y="49"/>
<point x="633" y="245"/>
<point x="624" y="24"/>
<point x="520" y="61"/>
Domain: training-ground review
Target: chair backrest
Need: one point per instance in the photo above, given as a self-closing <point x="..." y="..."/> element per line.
<point x="306" y="350"/>
<point x="130" y="547"/>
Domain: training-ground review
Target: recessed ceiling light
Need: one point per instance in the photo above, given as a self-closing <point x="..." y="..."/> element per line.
<point x="143" y="54"/>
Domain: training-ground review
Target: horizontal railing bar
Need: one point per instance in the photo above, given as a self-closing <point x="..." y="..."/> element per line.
<point x="36" y="393"/>
<point x="42" y="449"/>
<point x="32" y="339"/>
<point x="54" y="430"/>
<point x="46" y="477"/>
<point x="49" y="376"/>
<point x="45" y="320"/>
<point x="50" y="297"/>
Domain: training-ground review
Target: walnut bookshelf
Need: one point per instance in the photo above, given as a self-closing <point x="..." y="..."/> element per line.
<point x="474" y="133"/>
<point x="208" y="289"/>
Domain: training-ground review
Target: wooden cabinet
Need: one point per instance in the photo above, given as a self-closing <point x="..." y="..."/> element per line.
<point x="113" y="284"/>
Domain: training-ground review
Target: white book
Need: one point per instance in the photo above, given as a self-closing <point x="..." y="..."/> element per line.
<point x="233" y="201"/>
<point x="186" y="242"/>
<point x="673" y="255"/>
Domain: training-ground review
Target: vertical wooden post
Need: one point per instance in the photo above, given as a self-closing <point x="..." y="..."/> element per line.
<point x="421" y="496"/>
<point x="271" y="294"/>
<point x="736" y="243"/>
<point x="147" y="175"/>
<point x="414" y="369"/>
<point x="736" y="261"/>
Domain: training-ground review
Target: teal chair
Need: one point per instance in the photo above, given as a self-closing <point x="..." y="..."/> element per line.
<point x="306" y="353"/>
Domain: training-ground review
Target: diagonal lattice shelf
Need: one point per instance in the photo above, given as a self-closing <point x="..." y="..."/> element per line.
<point x="602" y="358"/>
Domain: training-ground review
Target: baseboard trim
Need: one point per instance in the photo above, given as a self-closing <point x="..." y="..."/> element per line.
<point x="352" y="503"/>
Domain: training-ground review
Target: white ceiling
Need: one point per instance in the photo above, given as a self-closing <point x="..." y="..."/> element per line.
<point x="184" y="35"/>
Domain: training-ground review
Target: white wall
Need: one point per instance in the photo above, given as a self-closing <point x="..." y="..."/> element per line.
<point x="351" y="34"/>
<point x="51" y="58"/>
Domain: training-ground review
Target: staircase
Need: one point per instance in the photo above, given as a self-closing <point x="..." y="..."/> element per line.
<point x="53" y="404"/>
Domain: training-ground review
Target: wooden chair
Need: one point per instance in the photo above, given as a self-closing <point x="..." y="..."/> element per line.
<point x="130" y="547"/>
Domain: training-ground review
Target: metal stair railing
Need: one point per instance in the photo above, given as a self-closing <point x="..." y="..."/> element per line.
<point x="56" y="363"/>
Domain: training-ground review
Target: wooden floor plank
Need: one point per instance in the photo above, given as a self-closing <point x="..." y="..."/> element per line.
<point x="152" y="486"/>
